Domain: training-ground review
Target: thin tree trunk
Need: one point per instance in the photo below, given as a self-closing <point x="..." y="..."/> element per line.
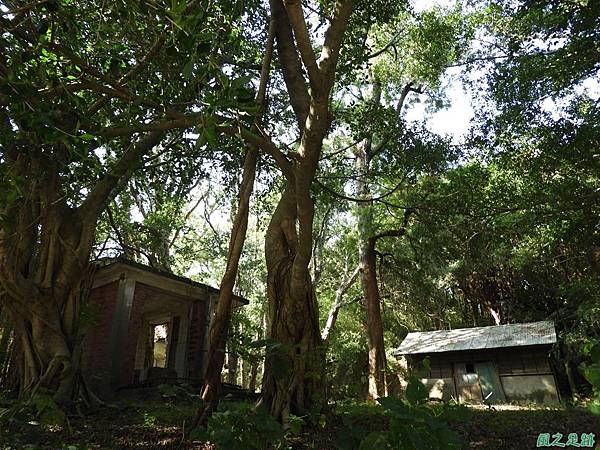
<point x="337" y="304"/>
<point x="244" y="373"/>
<point x="232" y="365"/>
<point x="220" y="324"/>
<point x="222" y="319"/>
<point x="594" y="258"/>
<point x="376" y="347"/>
<point x="368" y="268"/>
<point x="255" y="363"/>
<point x="253" y="376"/>
<point x="495" y="313"/>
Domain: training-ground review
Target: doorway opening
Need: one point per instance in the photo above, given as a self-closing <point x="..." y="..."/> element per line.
<point x="159" y="334"/>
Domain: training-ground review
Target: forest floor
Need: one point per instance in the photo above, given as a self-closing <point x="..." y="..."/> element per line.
<point x="159" y="424"/>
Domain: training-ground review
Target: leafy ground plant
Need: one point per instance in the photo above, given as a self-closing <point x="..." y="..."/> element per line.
<point x="27" y="420"/>
<point x="413" y="424"/>
<point x="591" y="372"/>
<point x="241" y="426"/>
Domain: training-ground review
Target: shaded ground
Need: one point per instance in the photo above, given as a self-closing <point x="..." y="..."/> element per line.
<point x="147" y="425"/>
<point x="158" y="423"/>
<point x="519" y="429"/>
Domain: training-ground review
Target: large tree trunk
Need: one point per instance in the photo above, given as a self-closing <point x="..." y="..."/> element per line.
<point x="45" y="249"/>
<point x="7" y="353"/>
<point x="293" y="367"/>
<point x="293" y="375"/>
<point x="46" y="314"/>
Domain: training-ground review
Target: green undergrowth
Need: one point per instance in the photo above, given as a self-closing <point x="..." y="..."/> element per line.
<point x="158" y="418"/>
<point x="410" y="423"/>
<point x="39" y="423"/>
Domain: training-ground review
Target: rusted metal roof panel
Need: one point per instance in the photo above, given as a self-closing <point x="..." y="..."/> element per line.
<point x="464" y="339"/>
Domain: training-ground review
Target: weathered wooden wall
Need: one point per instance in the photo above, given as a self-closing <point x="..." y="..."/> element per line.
<point x="524" y="372"/>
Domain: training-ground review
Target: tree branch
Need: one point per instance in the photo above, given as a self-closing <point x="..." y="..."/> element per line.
<point x="124" y="246"/>
<point x="337" y="304"/>
<point x="333" y="41"/>
<point x="264" y="143"/>
<point x="290" y="62"/>
<point x="394" y="232"/>
<point x="408" y="88"/>
<point x="186" y="121"/>
<point x="362" y="200"/>
<point x="100" y="194"/>
<point x="307" y="53"/>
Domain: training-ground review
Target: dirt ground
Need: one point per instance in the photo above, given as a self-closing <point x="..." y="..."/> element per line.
<point x="518" y="428"/>
<point x="153" y="424"/>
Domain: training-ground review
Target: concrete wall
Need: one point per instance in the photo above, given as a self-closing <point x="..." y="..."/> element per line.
<point x="195" y="346"/>
<point x="128" y="341"/>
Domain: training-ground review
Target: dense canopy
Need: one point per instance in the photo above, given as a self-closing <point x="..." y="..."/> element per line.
<point x="289" y="152"/>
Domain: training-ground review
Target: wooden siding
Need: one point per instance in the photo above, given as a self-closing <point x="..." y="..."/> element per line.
<point x="510" y="364"/>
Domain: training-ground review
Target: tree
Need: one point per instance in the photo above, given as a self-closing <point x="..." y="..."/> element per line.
<point x="222" y="319"/>
<point x="293" y="314"/>
<point x="415" y="49"/>
<point x="78" y="114"/>
<point x="162" y="195"/>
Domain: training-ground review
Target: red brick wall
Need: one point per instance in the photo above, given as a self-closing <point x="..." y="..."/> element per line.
<point x="97" y="351"/>
<point x="96" y="356"/>
<point x="96" y="362"/>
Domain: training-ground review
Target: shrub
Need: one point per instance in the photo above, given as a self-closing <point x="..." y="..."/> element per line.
<point x="591" y="372"/>
<point x="241" y="426"/>
<point x="413" y="424"/>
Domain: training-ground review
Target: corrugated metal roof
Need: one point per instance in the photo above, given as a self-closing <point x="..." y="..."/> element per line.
<point x="464" y="339"/>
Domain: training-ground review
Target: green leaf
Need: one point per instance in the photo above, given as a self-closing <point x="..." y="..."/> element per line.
<point x="188" y="69"/>
<point x="240" y="82"/>
<point x="53" y="416"/>
<point x="594" y="407"/>
<point x="416" y="391"/>
<point x="374" y="440"/>
<point x="295" y="423"/>
<point x="200" y="434"/>
<point x="592" y="375"/>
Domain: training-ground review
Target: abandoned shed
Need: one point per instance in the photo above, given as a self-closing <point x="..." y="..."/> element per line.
<point x="146" y="325"/>
<point x="504" y="363"/>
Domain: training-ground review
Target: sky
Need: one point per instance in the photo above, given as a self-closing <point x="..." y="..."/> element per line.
<point x="454" y="120"/>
